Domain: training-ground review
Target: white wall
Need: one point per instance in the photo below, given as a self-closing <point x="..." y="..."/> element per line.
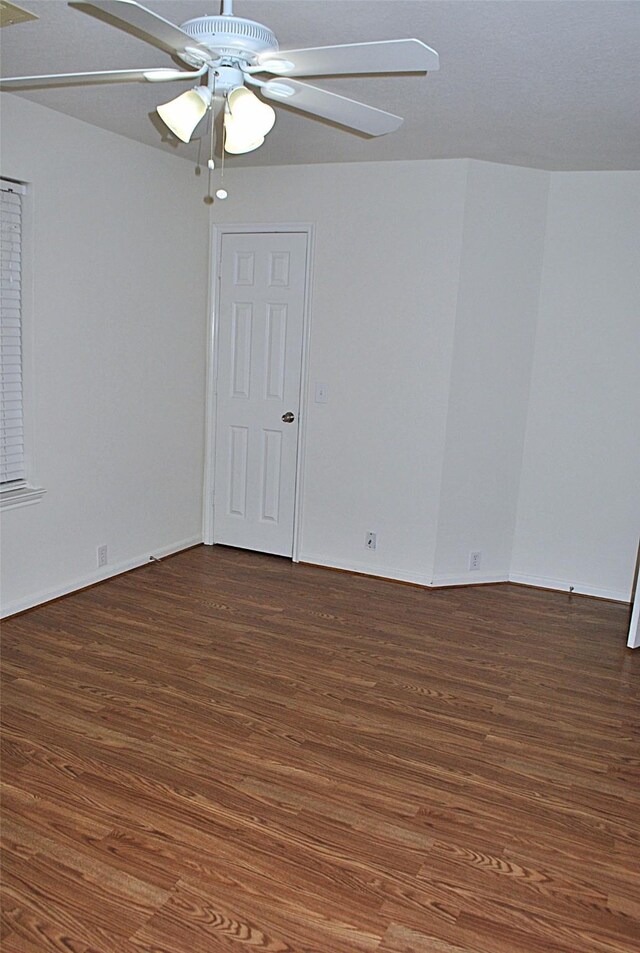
<point x="504" y="223"/>
<point x="387" y="250"/>
<point x="429" y="280"/>
<point x="116" y="329"/>
<point x="578" y="514"/>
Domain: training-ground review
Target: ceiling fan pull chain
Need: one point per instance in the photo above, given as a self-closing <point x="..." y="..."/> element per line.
<point x="224" y="136"/>
<point x="222" y="193"/>
<point x="212" y="126"/>
<point x="210" y="162"/>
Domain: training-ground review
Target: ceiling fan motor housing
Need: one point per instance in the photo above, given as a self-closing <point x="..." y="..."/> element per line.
<point x="232" y="37"/>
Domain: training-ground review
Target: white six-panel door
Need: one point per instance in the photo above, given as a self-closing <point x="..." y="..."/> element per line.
<point x="260" y="330"/>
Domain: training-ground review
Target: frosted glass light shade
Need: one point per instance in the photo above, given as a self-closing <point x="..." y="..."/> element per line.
<point x="247" y="121"/>
<point x="183" y="114"/>
<point x="236" y="145"/>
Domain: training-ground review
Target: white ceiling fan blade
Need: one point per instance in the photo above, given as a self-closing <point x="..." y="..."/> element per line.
<point x="156" y="74"/>
<point x="155" y="27"/>
<point x="320" y="102"/>
<point x="385" y="56"/>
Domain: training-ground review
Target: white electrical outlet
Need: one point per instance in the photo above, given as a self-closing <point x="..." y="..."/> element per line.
<point x="370" y="541"/>
<point x="474" y="560"/>
<point x="102" y="556"/>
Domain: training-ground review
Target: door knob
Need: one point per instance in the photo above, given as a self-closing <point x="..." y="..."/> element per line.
<point x="288" y="418"/>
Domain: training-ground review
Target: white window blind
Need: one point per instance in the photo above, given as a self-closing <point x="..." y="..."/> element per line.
<point x="12" y="466"/>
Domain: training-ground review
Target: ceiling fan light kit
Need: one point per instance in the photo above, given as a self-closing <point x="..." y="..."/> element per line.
<point x="235" y="145"/>
<point x="232" y="52"/>
<point x="182" y="115"/>
<point x="243" y="106"/>
<point x="247" y="121"/>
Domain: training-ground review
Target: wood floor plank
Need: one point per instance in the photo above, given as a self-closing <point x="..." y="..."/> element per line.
<point x="231" y="915"/>
<point x="402" y="939"/>
<point x="227" y="751"/>
<point x="540" y="890"/>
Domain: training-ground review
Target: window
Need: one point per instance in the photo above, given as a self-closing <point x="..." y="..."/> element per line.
<point x="14" y="487"/>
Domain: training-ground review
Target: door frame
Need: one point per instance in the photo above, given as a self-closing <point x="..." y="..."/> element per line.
<point x="633" y="641"/>
<point x="218" y="231"/>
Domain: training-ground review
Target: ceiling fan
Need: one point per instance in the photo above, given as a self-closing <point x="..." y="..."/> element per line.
<point x="231" y="54"/>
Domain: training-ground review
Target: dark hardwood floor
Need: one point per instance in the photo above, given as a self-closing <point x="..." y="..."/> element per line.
<point x="228" y="752"/>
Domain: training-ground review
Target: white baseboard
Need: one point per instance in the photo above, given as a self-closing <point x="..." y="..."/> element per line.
<point x="99" y="575"/>
<point x="563" y="585"/>
<point x="383" y="572"/>
<point x="471" y="578"/>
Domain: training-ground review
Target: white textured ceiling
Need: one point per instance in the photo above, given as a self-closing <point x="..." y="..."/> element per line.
<point x="546" y="83"/>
